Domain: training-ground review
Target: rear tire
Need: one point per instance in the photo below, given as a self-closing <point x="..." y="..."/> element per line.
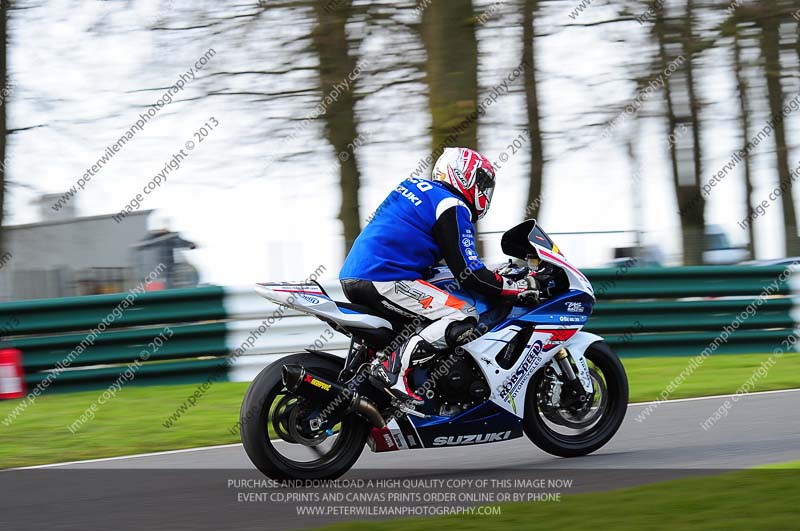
<point x="255" y="422"/>
<point x="552" y="442"/>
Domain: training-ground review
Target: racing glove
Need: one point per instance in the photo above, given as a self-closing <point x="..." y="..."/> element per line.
<point x="524" y="290"/>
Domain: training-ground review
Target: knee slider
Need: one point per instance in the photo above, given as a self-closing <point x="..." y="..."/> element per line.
<point x="461" y="332"/>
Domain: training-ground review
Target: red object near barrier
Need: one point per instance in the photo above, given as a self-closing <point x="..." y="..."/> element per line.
<point x="12" y="381"/>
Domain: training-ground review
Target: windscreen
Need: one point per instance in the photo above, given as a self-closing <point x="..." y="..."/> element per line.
<point x="517" y="241"/>
<point x="540" y="238"/>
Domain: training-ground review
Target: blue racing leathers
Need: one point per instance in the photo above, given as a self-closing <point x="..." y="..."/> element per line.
<point x="420" y="223"/>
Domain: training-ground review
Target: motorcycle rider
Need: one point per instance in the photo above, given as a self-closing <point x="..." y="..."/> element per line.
<point x="420" y="223"/>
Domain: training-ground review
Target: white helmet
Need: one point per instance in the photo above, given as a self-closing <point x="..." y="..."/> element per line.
<point x="470" y="174"/>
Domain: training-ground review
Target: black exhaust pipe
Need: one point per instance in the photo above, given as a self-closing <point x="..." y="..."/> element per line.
<point x="335" y="400"/>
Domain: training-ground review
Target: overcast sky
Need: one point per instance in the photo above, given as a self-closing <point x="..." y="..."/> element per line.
<point x="81" y="70"/>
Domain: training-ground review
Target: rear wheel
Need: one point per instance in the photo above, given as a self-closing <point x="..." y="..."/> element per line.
<point x="274" y="438"/>
<point x="577" y="429"/>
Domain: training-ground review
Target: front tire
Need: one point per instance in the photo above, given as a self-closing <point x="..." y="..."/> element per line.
<point x="614" y="383"/>
<point x="256" y="419"/>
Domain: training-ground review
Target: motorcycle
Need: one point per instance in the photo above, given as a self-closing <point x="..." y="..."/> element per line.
<point x="532" y="371"/>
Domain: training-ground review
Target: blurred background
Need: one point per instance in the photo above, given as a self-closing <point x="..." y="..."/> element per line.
<point x="635" y="129"/>
<point x="208" y="145"/>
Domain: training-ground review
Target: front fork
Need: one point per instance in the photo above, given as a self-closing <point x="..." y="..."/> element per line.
<point x="578" y="386"/>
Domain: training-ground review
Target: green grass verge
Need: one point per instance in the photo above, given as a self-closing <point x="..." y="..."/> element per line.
<point x="763" y="499"/>
<point x="716" y="376"/>
<point x="131" y="422"/>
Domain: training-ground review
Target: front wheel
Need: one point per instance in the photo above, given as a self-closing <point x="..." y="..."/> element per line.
<point x="577" y="430"/>
<point x="273" y="435"/>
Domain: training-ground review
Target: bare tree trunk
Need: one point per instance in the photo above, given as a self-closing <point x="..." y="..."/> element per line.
<point x="672" y="122"/>
<point x="770" y="48"/>
<point x="797" y="32"/>
<point x="744" y="109"/>
<point x="448" y="32"/>
<point x="3" y="125"/>
<point x="683" y="115"/>
<point x="532" y="103"/>
<point x="694" y="228"/>
<point x="337" y="74"/>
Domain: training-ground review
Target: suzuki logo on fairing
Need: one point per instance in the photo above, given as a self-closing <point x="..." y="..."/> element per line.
<point x="471" y="439"/>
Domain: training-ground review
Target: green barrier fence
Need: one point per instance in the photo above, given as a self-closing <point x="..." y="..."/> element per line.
<point x="89" y="341"/>
<point x="640" y="312"/>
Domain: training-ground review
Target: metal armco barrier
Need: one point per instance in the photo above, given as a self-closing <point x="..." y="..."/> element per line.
<point x="231" y="333"/>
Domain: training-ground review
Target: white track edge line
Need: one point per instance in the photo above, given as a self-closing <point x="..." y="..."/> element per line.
<point x="712" y="397"/>
<point x="132" y="456"/>
<point x="231" y="445"/>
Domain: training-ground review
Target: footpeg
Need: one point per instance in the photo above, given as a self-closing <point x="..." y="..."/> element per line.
<point x="399" y="406"/>
<point x="402" y="398"/>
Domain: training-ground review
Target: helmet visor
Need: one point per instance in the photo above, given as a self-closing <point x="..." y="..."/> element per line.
<point x="485" y="184"/>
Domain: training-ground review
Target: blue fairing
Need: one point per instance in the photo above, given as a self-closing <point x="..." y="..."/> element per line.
<point x="570" y="308"/>
<point x="481" y="419"/>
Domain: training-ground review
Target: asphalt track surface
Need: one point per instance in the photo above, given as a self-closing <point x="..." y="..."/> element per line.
<point x="202" y="489"/>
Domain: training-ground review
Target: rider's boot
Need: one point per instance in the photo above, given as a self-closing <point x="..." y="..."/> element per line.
<point x="391" y="376"/>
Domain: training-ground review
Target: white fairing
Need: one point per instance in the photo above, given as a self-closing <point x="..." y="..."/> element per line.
<point x="510" y="385"/>
<point x="577" y="280"/>
<point x="308" y="298"/>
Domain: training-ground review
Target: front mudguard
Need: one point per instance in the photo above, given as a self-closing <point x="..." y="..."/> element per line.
<point x="576" y="347"/>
